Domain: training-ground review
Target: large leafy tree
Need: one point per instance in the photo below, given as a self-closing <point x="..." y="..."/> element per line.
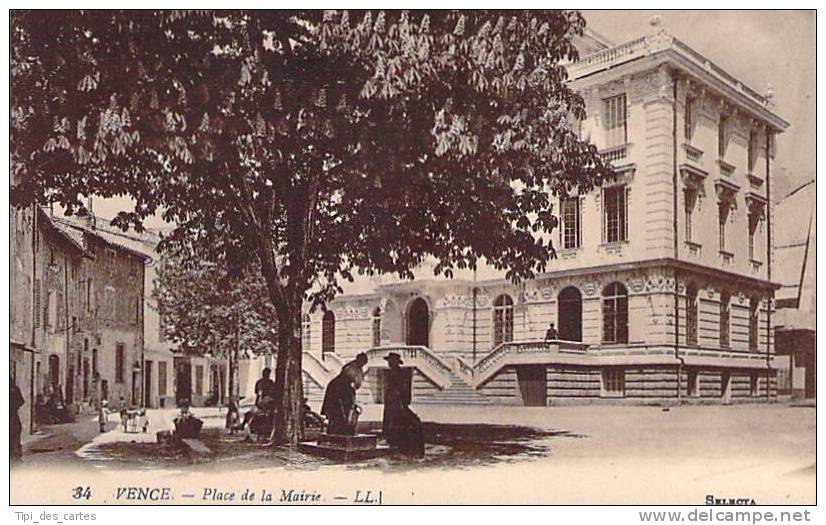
<point x="313" y="143"/>
<point x="206" y="309"/>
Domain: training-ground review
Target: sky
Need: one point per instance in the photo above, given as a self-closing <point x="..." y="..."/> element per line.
<point x="757" y="47"/>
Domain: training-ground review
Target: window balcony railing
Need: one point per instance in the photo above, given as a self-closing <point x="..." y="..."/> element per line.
<point x="614" y="153"/>
<point x="726" y="169"/>
<point x="693" y="153"/>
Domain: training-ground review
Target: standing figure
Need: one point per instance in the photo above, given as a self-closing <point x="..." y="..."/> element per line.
<point x="551" y="334"/>
<point x="103" y="415"/>
<point x="396" y="399"/>
<point x="340" y="405"/>
<point x="16" y="401"/>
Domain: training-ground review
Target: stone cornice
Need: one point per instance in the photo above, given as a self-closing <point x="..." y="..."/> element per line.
<point x="661" y="47"/>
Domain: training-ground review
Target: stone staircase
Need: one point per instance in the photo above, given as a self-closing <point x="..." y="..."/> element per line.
<point x="458" y="393"/>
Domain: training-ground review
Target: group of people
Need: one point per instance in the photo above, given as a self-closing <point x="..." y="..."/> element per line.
<point x="401" y="427"/>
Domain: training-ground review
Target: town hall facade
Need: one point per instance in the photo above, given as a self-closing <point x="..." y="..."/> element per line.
<point x="662" y="290"/>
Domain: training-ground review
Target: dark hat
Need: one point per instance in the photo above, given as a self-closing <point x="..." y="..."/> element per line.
<point x="393" y="356"/>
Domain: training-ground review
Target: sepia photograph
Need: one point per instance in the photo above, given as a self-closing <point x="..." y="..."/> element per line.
<point x="412" y="257"/>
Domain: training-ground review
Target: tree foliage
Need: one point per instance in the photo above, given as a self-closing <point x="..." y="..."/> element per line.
<point x="314" y="144"/>
<point x="207" y="310"/>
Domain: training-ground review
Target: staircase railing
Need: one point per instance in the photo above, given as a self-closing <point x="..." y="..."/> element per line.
<point x="463" y="370"/>
<point x="332" y="362"/>
<point x="431" y="365"/>
<point x="523" y="352"/>
<point x="316" y="369"/>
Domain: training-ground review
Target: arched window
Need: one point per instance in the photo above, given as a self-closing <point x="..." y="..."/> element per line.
<point x="614" y="314"/>
<point x="569" y="316"/>
<point x="502" y="320"/>
<point x="377" y="327"/>
<point x="305" y="332"/>
<point x="328" y="333"/>
<point x="725" y="300"/>
<point x="691" y="314"/>
<point x="754" y="305"/>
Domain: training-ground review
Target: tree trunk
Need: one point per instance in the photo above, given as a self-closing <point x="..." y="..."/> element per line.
<point x="288" y="427"/>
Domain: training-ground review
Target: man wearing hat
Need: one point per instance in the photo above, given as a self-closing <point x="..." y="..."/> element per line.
<point x="396" y="398"/>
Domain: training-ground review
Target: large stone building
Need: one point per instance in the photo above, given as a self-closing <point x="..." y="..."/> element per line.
<point x="663" y="287"/>
<point x="76" y="327"/>
<point x="169" y="377"/>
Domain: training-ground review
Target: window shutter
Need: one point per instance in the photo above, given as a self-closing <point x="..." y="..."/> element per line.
<point x="37" y="300"/>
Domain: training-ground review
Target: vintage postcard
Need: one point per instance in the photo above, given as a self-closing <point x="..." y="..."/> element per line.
<point x="383" y="257"/>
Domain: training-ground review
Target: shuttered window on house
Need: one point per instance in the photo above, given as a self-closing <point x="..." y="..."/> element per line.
<point x="120" y="363"/>
<point x="162" y="378"/>
<point x="37" y="304"/>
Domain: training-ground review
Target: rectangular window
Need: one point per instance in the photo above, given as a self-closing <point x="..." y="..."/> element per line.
<point x="162" y="378"/>
<point x="51" y="309"/>
<point x="571" y="223"/>
<point x="690" y="199"/>
<point x="120" y="363"/>
<point x="37" y="305"/>
<point x="723" y="218"/>
<point x="615" y="214"/>
<point x="90" y="295"/>
<point x="752" y="149"/>
<point x="616" y="122"/>
<point x="691" y="318"/>
<point x="753" y="324"/>
<point x="690" y="104"/>
<point x="754" y="220"/>
<point x="722" y="136"/>
<point x="136" y="310"/>
<point x="724" y="321"/>
<point x="613" y="382"/>
<point x="693" y="386"/>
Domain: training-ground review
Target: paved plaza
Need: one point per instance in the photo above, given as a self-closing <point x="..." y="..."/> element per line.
<point x="576" y="454"/>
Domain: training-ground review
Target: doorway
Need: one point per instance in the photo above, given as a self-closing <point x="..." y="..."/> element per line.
<point x="147" y="386"/>
<point x="533" y="385"/>
<point x="54" y="373"/>
<point x="183" y="381"/>
<point x="418" y="323"/>
<point x="725" y="387"/>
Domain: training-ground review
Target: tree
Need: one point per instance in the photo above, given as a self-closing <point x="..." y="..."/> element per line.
<point x="206" y="309"/>
<point x="314" y="144"/>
